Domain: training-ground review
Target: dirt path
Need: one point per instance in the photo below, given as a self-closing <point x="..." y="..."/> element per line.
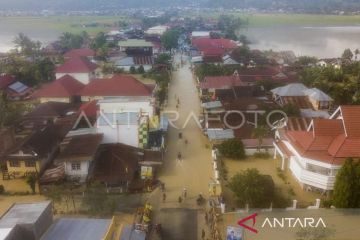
<point x="194" y="171"/>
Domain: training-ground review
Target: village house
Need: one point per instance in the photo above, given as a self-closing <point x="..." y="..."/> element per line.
<point x="77" y="154"/>
<point x="64" y="89"/>
<point x="314" y="156"/>
<point x="80" y="52"/>
<point x="116" y="86"/>
<point x="126" y="63"/>
<point x="14" y="90"/>
<point x="33" y="154"/>
<point x="126" y="167"/>
<point x="211" y="50"/>
<point x="157" y="30"/>
<point x="299" y="95"/>
<point x="79" y="68"/>
<point x="222" y="121"/>
<point x="136" y="47"/>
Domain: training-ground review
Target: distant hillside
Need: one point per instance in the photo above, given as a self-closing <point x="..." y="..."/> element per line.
<point x="75" y="5"/>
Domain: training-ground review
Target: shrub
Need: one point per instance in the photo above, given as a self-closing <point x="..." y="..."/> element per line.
<point x="132" y="70"/>
<point x="141" y="69"/>
<point x="232" y="148"/>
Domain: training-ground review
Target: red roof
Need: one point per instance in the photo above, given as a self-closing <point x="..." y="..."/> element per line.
<point x="6" y="80"/>
<point x="90" y="109"/>
<point x="80" y="52"/>
<point x="118" y="85"/>
<point x="207" y="42"/>
<point x="77" y="65"/>
<point x="221" y="82"/>
<point x="65" y="86"/>
<point x="328" y="141"/>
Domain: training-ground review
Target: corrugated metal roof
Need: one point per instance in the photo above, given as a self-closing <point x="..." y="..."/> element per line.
<point x="77" y="228"/>
<point x="219" y="134"/>
<point x="18" y="87"/>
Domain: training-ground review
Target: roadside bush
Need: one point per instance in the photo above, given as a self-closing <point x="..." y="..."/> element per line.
<point x="141" y="69"/>
<point x="232" y="148"/>
<point x="132" y="70"/>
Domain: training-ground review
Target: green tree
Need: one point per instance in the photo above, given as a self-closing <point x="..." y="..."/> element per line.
<point x="99" y="41"/>
<point x="68" y="41"/>
<point x="31" y="180"/>
<point x="259" y="133"/>
<point x="170" y="39"/>
<point x="163" y="58"/>
<point x="347" y="54"/>
<point x="347" y="185"/>
<point x="132" y="70"/>
<point x="232" y="148"/>
<point x="251" y="187"/>
<point x="141" y="69"/>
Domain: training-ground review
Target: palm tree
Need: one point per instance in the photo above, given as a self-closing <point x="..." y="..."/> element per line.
<point x="357" y="52"/>
<point x="259" y="133"/>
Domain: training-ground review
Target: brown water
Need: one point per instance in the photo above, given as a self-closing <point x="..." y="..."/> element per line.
<point x="194" y="172"/>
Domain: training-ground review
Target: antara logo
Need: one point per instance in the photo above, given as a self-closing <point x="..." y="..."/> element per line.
<point x="282" y="222"/>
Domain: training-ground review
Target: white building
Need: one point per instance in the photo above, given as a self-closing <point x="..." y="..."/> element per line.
<point x="157" y="30"/>
<point x="315" y="156"/>
<point x="125" y="120"/>
<point x="79" y="68"/>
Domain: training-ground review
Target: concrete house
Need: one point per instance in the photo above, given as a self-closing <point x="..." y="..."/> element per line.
<point x="314" y="156"/>
<point x="79" y="68"/>
<point x="64" y="89"/>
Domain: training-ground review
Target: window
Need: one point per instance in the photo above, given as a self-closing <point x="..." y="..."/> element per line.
<point x="14" y="163"/>
<point x="75" y="166"/>
<point x="30" y="163"/>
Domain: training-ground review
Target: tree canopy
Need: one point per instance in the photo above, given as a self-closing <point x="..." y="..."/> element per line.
<point x="170" y="38"/>
<point x="347" y="185"/>
<point x="232" y="148"/>
<point x="251" y="187"/>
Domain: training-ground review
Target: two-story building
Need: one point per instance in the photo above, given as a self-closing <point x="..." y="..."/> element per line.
<point x="314" y="156"/>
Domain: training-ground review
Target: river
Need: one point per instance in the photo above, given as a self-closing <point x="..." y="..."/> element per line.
<point x="318" y="41"/>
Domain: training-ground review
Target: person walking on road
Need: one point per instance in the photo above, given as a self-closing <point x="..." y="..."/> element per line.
<point x="203" y="234"/>
<point x="180" y="199"/>
<point x="164" y="197"/>
<point x="184" y="192"/>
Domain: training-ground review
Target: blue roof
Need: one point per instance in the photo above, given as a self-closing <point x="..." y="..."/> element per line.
<point x="18" y="87"/>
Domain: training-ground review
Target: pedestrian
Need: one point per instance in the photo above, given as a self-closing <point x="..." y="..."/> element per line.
<point x="184" y="192"/>
<point x="163" y="187"/>
<point x="180" y="199"/>
<point x="164" y="197"/>
<point x="186" y="141"/>
<point x="203" y="234"/>
<point x="206" y="218"/>
<point x="180" y="135"/>
<point x="179" y="156"/>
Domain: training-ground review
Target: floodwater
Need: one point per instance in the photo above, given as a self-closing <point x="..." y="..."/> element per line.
<point x="319" y="41"/>
<point x="194" y="171"/>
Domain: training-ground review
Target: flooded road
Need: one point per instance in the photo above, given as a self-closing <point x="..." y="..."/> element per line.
<point x="193" y="172"/>
<point x="195" y="169"/>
